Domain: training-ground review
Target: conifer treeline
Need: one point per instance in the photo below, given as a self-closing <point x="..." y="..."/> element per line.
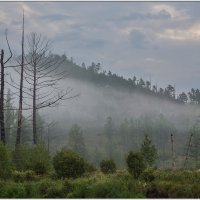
<point x="95" y="74"/>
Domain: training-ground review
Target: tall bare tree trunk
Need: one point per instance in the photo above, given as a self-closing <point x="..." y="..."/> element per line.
<point x="34" y="107"/>
<point x="2" y="121"/>
<point x="42" y="74"/>
<point x="19" y="124"/>
<point x="2" y="125"/>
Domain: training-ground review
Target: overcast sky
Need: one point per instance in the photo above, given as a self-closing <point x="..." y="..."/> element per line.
<point x="153" y="40"/>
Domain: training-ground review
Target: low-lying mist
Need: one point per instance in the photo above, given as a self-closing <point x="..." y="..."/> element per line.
<point x="95" y="104"/>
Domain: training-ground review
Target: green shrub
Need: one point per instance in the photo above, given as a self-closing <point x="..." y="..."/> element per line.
<point x="53" y="175"/>
<point x="68" y="164"/>
<point x="21" y="158"/>
<point x="12" y="190"/>
<point x="109" y="189"/>
<point x="67" y="186"/>
<point x="135" y="164"/>
<point x="16" y="191"/>
<point x="89" y="167"/>
<point x="79" y="189"/>
<point x="55" y="191"/>
<point x="104" y="188"/>
<point x="20" y="176"/>
<point x="153" y="192"/>
<point x="30" y="175"/>
<point x="34" y="158"/>
<point x="148" y="151"/>
<point x="148" y="175"/>
<point x="40" y="160"/>
<point x="40" y="168"/>
<point x="107" y="166"/>
<point x="177" y="189"/>
<point x="31" y="190"/>
<point x="6" y="164"/>
<point x="51" y="189"/>
<point x="43" y="186"/>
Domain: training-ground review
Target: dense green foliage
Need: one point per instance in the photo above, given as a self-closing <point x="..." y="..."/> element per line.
<point x="68" y="164"/>
<point x="34" y="158"/>
<point x="107" y="166"/>
<point x="103" y="186"/>
<point x="5" y="161"/>
<point x="148" y="182"/>
<point x="177" y="183"/>
<point x="148" y="175"/>
<point x="89" y="167"/>
<point x="21" y="176"/>
<point x="96" y="185"/>
<point x="135" y="163"/>
<point x="166" y="183"/>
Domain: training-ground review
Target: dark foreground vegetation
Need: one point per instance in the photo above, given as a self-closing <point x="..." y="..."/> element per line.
<point x="26" y="173"/>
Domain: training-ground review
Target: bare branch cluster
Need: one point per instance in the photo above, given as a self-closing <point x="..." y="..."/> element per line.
<point x="38" y="86"/>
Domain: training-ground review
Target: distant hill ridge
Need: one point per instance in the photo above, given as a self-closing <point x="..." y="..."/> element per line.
<point x="96" y="75"/>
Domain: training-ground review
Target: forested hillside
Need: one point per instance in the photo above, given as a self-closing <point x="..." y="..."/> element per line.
<point x="98" y="76"/>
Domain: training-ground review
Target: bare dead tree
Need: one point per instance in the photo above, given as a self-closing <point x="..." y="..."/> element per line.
<point x="2" y="99"/>
<point x="3" y="62"/>
<point x="19" y="122"/>
<point x="43" y="75"/>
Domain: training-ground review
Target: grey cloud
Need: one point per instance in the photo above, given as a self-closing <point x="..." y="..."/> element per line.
<point x="55" y="17"/>
<point x="138" y="39"/>
<point x="95" y="44"/>
<point x="192" y="8"/>
<point x="16" y="22"/>
<point x="162" y="15"/>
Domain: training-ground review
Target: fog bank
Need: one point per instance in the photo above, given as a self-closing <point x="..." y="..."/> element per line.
<point x="95" y="104"/>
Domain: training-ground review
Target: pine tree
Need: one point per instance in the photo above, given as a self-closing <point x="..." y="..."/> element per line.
<point x="148" y="151"/>
<point x="183" y="97"/>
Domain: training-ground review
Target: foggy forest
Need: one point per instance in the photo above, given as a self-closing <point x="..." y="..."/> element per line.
<point x="73" y="129"/>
